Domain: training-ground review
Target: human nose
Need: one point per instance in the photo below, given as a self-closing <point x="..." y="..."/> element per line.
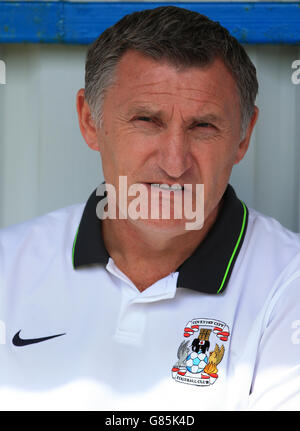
<point x="174" y="153"/>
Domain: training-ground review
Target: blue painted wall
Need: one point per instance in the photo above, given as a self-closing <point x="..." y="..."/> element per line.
<point x="81" y="23"/>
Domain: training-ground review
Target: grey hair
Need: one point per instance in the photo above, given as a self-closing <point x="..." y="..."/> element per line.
<point x="181" y="37"/>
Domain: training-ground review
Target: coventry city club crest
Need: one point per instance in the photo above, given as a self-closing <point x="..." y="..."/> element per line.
<point x="200" y="354"/>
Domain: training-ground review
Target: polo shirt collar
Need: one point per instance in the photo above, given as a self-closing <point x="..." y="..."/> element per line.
<point x="209" y="267"/>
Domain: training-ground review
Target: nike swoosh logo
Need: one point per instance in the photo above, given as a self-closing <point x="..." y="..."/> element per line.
<point x="17" y="341"/>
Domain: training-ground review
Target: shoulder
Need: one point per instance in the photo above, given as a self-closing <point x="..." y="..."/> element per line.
<point x="41" y="236"/>
<point x="268" y="233"/>
<point x="272" y="249"/>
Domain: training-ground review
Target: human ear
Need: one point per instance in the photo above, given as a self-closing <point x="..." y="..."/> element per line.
<point x="86" y="122"/>
<point x="244" y="144"/>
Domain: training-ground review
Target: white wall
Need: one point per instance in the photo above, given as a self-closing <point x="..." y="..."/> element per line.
<point x="45" y="164"/>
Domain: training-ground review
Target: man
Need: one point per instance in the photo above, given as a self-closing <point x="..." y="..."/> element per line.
<point x="120" y="312"/>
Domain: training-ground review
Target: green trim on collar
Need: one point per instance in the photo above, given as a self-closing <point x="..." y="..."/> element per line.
<point x="73" y="248"/>
<point x="235" y="248"/>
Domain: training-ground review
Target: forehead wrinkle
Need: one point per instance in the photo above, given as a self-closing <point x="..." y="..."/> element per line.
<point x="155" y="107"/>
<point x="210" y="92"/>
<point x="182" y="96"/>
<point x="164" y="81"/>
<point x="143" y="84"/>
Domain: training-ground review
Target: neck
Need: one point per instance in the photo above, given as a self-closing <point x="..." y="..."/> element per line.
<point x="146" y="254"/>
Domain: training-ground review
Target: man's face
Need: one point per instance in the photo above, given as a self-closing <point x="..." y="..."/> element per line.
<point x="165" y="125"/>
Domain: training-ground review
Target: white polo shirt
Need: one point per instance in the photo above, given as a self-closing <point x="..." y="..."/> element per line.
<point x="222" y="332"/>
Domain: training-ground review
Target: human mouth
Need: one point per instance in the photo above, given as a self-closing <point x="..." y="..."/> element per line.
<point x="172" y="188"/>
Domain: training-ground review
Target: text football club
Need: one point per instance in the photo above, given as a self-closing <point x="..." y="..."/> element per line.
<point x="201" y="352"/>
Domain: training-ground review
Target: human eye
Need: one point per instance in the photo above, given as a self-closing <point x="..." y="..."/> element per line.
<point x="146" y="121"/>
<point x="204" y="129"/>
<point x="203" y="125"/>
<point x="144" y="118"/>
